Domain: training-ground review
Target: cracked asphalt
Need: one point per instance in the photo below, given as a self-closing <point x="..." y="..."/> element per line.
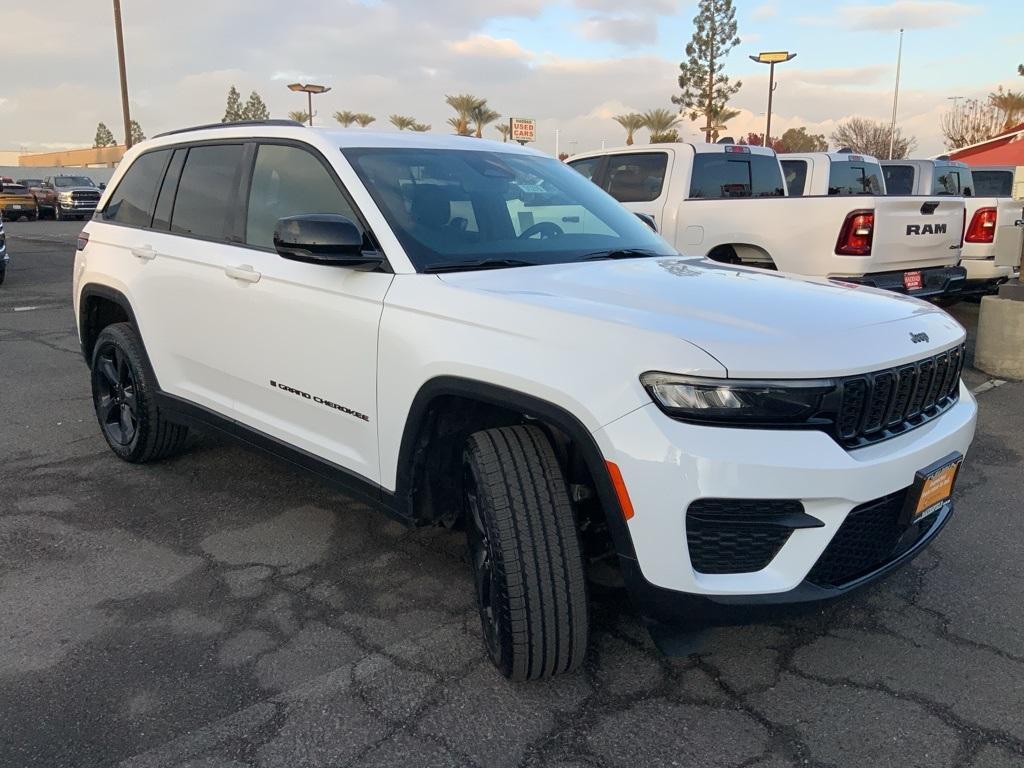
<point x="223" y="609"/>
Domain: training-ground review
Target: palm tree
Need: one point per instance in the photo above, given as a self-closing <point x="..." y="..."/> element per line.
<point x="420" y="127"/>
<point x="463" y="104"/>
<point x="401" y="122"/>
<point x="364" y="119"/>
<point x="662" y="125"/>
<point x="483" y="115"/>
<point x="346" y="118"/>
<point x="719" y="117"/>
<point x="1010" y="104"/>
<point x="632" y="122"/>
<point x="299" y="116"/>
<point x="503" y="129"/>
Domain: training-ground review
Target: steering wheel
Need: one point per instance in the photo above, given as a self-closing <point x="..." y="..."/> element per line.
<point x="546" y="230"/>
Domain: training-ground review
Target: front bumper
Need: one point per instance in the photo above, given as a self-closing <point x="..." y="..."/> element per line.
<point x="936" y="282"/>
<point x="667" y="465"/>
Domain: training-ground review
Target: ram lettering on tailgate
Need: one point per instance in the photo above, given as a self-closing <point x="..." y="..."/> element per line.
<point x="926" y="229"/>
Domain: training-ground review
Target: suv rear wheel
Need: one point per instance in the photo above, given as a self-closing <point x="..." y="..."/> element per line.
<point x="527" y="564"/>
<point x="124" y="398"/>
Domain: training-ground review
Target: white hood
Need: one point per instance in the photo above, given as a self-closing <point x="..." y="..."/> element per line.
<point x="755" y="323"/>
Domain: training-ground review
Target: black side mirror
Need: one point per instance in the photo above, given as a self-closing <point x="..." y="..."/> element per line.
<point x="103" y="185"/>
<point x="647" y="219"/>
<point x="324" y="238"/>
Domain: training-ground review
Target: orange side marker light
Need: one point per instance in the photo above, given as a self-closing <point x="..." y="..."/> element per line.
<point x="620" y="489"/>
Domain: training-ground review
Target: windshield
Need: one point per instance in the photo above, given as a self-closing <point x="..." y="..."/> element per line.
<point x="952" y="180"/>
<point x="30" y="182"/>
<point x="993" y="183"/>
<point x="453" y="207"/>
<point x="847" y="177"/>
<point x="73" y="181"/>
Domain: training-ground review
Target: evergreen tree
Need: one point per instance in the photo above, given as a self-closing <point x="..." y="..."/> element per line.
<point x="104" y="138"/>
<point x="255" y="109"/>
<point x="705" y="87"/>
<point x="233" y="110"/>
<point x="137" y="134"/>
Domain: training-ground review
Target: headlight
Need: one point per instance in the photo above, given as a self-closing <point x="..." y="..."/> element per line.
<point x="741" y="402"/>
<point x="65" y="196"/>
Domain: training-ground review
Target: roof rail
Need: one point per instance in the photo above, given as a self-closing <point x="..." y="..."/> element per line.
<point x="236" y="124"/>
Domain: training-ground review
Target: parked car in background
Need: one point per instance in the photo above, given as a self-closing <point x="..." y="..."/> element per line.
<point x="993" y="236"/>
<point x="999" y="181"/>
<point x="728" y="202"/>
<point x="69" y="197"/>
<point x="35" y="186"/>
<point x="4" y="257"/>
<point x="17" y="202"/>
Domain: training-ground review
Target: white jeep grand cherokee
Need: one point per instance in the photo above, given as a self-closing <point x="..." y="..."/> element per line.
<point x="469" y="332"/>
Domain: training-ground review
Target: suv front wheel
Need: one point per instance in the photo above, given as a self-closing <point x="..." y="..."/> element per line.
<point x="124" y="398"/>
<point x="527" y="565"/>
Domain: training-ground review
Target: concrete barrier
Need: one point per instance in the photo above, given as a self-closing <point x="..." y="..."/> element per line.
<point x="1000" y="346"/>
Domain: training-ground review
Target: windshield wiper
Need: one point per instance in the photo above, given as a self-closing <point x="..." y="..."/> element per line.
<point x="467" y="266"/>
<point x="620" y="253"/>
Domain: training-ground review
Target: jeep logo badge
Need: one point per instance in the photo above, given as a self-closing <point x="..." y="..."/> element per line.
<point x="917" y="338"/>
<point x="926" y="229"/>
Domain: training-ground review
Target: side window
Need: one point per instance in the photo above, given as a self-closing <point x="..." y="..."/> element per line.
<point x="846" y="177"/>
<point x="636" y="178"/>
<point x="587" y="167"/>
<point x="132" y="202"/>
<point x="899" y="179"/>
<point x="165" y="200"/>
<point x="206" y="191"/>
<point x="288" y="181"/>
<point x="796" y="176"/>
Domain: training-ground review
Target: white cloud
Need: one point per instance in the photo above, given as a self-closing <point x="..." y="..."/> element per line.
<point x="489" y="47"/>
<point x="905" y="14"/>
<point x="764" y="11"/>
<point x="627" y="30"/>
<point x="637" y="6"/>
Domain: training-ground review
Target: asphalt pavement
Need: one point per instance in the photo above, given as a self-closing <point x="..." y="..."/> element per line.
<point x="224" y="609"/>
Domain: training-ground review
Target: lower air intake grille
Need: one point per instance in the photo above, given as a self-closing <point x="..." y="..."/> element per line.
<point x="738" y="535"/>
<point x="872" y="534"/>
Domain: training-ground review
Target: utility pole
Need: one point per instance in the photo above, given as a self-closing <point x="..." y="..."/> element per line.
<point x="895" y="98"/>
<point x="557" y="132"/>
<point x="124" y="76"/>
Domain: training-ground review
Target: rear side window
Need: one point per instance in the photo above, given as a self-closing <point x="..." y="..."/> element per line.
<point x="636" y="178"/>
<point x="851" y="178"/>
<point x="952" y="180"/>
<point x="899" y="179"/>
<point x="723" y="175"/>
<point x="588" y="166"/>
<point x="132" y="202"/>
<point x="993" y="183"/>
<point x="206" y="191"/>
<point x="796" y="176"/>
<point x="288" y="181"/>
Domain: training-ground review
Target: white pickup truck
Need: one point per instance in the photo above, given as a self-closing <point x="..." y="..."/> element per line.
<point x="729" y="202"/>
<point x="993" y="229"/>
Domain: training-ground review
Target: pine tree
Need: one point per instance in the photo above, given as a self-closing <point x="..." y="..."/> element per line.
<point x="233" y="110"/>
<point x="705" y="87"/>
<point x="104" y="138"/>
<point x="255" y="109"/>
<point x="137" y="134"/>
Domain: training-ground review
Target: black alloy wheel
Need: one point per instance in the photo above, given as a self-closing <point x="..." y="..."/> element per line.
<point x="116" y="396"/>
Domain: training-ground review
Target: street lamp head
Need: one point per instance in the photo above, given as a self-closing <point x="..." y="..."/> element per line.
<point x="773" y="57"/>
<point x="308" y="88"/>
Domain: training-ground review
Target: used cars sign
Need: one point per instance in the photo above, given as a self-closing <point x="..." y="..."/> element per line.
<point x="523" y="129"/>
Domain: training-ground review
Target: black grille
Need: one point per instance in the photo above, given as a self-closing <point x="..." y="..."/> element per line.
<point x="872" y="534"/>
<point x="880" y="405"/>
<point x="738" y="535"/>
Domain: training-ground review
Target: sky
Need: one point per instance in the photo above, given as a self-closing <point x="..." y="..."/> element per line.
<point x="569" y="64"/>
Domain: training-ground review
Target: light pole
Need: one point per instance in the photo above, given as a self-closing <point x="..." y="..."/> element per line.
<point x="124" y="77"/>
<point x="309" y="89"/>
<point x="771" y="58"/>
<point x="896" y="98"/>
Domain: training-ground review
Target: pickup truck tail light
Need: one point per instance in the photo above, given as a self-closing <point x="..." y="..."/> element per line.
<point x="82" y="241"/>
<point x="983" y="226"/>
<point x="856" y="235"/>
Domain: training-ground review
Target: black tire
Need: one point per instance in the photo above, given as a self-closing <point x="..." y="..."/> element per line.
<point x="123" y="396"/>
<point x="3" y="275"/>
<point x="527" y="564"/>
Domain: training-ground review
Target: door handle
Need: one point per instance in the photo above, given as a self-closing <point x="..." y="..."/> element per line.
<point x="243" y="272"/>
<point x="146" y="253"/>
